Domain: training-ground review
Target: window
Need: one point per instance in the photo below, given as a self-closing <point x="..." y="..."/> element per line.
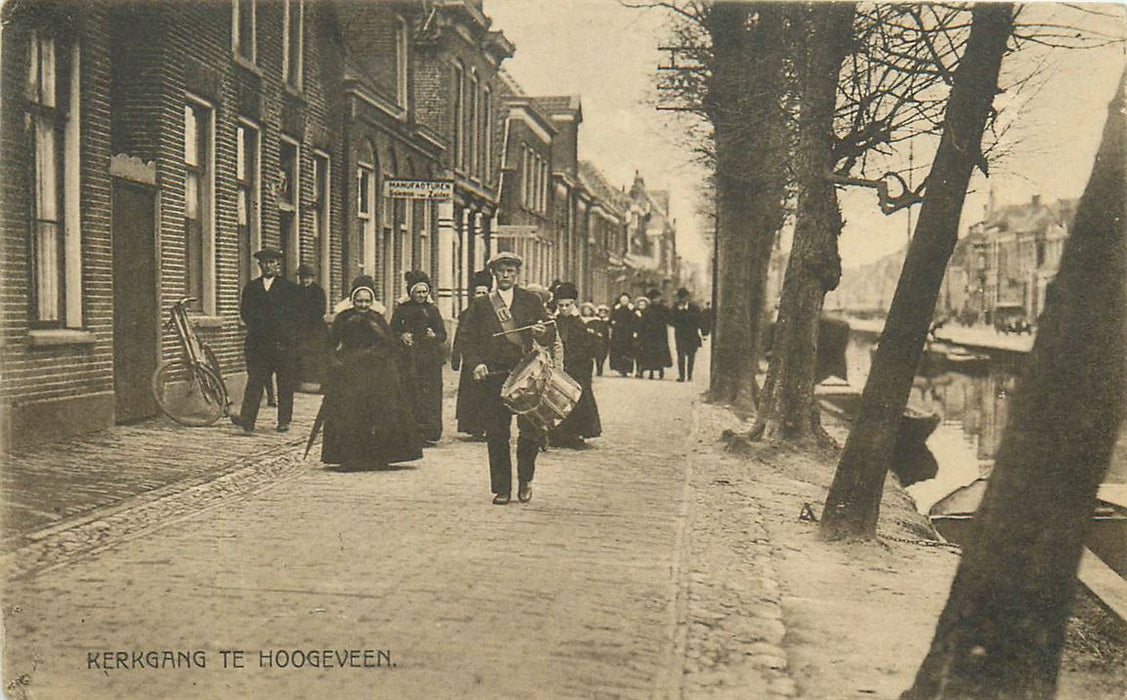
<point x="365" y="216"/>
<point x="401" y="64"/>
<point x="546" y="177"/>
<point x="55" y="243"/>
<point x="322" y="243"/>
<point x="243" y="19"/>
<point x="248" y="220"/>
<point x="293" y="52"/>
<point x="289" y="191"/>
<point x="523" y="169"/>
<point x="473" y="132"/>
<point x="459" y="89"/>
<point x="487" y="136"/>
<point x="198" y="189"/>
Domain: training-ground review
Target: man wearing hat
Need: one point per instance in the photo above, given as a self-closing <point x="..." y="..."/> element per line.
<point x="269" y="310"/>
<point x="418" y="325"/>
<point x="469" y="409"/>
<point x="313" y="336"/>
<point x="493" y="354"/>
<point x="687" y="325"/>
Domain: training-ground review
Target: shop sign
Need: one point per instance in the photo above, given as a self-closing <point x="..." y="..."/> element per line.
<point x="441" y="190"/>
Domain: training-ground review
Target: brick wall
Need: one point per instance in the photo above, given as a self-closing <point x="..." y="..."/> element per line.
<point x="31" y="373"/>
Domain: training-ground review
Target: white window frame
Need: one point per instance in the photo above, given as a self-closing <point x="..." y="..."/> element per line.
<point x="322" y="211"/>
<point x="487" y="137"/>
<point x="254" y="189"/>
<point x="474" y="161"/>
<point x="65" y="289"/>
<point x="289" y="62"/>
<point x="459" y="116"/>
<point x="207" y="205"/>
<point x="402" y="61"/>
<point x="367" y="217"/>
<point x="293" y="207"/>
<point x="236" y="29"/>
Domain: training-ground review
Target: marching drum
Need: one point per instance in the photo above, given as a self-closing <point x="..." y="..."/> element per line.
<point x="543" y="393"/>
<point x="525" y="385"/>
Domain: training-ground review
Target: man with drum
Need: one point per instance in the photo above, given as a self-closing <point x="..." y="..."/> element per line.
<point x="499" y="331"/>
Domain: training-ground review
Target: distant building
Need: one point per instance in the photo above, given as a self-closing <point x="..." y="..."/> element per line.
<point x="1007" y="260"/>
<point x="1003" y="262"/>
<point x="651" y="254"/>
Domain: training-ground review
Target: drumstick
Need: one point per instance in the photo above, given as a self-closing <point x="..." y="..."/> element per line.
<point x="525" y="328"/>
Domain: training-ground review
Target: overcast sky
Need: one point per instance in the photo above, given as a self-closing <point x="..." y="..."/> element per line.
<point x="608" y="54"/>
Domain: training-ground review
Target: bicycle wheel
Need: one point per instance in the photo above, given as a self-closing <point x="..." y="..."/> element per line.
<point x="190" y="395"/>
<point x="213" y="363"/>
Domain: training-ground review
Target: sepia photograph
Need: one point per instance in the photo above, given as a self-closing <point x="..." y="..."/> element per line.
<point x="665" y="349"/>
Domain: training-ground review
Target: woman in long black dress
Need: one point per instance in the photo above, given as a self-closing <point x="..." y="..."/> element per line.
<point x="622" y="336"/>
<point x="368" y="421"/>
<point x="600" y="329"/>
<point x="470" y="413"/>
<point x="579" y="348"/>
<point x="652" y="336"/>
<point x="419" y="326"/>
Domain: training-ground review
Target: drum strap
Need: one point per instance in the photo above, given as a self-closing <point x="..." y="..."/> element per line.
<point x="505" y="318"/>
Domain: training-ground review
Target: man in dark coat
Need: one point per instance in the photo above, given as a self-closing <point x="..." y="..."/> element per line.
<point x="622" y="320"/>
<point x="269" y="310"/>
<point x="419" y="326"/>
<point x="493" y="356"/>
<point x="580" y="345"/>
<point x="469" y="408"/>
<point x="687" y="324"/>
<point x="313" y="335"/>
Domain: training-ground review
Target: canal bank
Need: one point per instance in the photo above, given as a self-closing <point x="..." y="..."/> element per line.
<point x="858" y="617"/>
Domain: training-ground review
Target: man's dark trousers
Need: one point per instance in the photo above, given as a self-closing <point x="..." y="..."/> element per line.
<point x="261" y="363"/>
<point x="685" y="360"/>
<point x="498" y="429"/>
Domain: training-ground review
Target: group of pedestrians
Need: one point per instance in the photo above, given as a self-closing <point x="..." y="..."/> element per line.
<point x="638" y="341"/>
<point x="382" y="378"/>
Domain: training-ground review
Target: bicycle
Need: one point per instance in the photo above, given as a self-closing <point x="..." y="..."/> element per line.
<point x="189" y="389"/>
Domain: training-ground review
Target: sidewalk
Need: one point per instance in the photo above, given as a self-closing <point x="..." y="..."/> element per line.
<point x="58" y="482"/>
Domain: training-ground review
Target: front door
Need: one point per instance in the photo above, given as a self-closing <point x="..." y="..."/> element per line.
<point x="136" y="318"/>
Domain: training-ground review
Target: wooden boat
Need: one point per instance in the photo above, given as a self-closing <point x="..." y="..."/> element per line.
<point x="912" y="461"/>
<point x="1103" y="564"/>
<point x="953" y="514"/>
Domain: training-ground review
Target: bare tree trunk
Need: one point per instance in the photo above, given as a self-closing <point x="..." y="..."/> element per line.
<point x="853" y="504"/>
<point x="1003" y="628"/>
<point x="786" y="407"/>
<point x="745" y="106"/>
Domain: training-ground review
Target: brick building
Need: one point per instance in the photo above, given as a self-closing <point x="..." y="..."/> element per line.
<point x="163" y="144"/>
<point x="524" y="224"/>
<point x="457" y="60"/>
<point x="151" y="147"/>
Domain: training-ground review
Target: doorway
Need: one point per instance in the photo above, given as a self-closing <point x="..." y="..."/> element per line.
<point x="136" y="318"/>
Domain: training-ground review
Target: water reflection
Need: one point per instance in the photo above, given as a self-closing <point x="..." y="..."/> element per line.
<point x="973" y="402"/>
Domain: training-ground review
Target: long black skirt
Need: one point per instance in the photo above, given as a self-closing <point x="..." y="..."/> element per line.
<point x="368" y="419"/>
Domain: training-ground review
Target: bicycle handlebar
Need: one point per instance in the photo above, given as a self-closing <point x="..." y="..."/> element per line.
<point x="185" y="301"/>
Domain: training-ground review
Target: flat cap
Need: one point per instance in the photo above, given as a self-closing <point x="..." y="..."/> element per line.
<point x="505" y="256"/>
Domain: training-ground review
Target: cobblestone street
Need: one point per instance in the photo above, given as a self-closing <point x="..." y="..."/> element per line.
<point x="579" y="593"/>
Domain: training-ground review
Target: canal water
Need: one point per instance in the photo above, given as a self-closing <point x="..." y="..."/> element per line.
<point x="973" y="402"/>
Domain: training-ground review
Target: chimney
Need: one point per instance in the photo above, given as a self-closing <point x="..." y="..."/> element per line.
<point x="1036" y="201"/>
